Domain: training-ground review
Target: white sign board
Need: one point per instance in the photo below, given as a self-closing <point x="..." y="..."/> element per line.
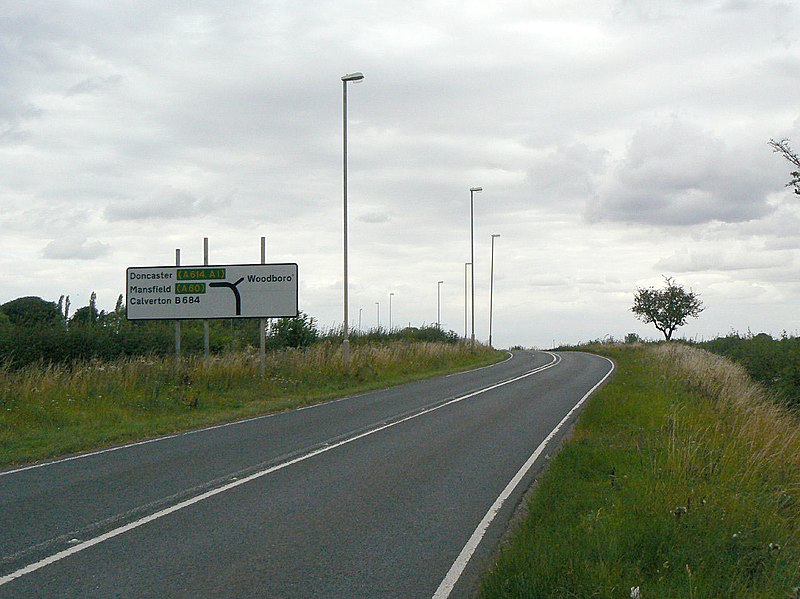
<point x="229" y="291"/>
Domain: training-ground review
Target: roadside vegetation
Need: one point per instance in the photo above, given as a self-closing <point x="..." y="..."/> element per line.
<point x="774" y="363"/>
<point x="682" y="479"/>
<point x="69" y="384"/>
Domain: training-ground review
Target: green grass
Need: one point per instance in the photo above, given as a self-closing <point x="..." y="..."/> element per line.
<point x="48" y="411"/>
<point x="682" y="479"/>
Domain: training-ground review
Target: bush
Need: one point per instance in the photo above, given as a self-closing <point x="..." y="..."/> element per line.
<point x="299" y="332"/>
<point x="775" y="363"/>
<point x="32" y="311"/>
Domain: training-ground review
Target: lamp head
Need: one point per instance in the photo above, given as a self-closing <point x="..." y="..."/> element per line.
<point x="476" y="188"/>
<point x="354" y="77"/>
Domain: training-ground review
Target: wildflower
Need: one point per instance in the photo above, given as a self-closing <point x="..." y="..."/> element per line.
<point x="679" y="511"/>
<point x="773" y="547"/>
<point x="635" y="594"/>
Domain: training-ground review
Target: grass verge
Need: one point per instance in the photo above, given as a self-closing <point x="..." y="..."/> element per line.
<point x="56" y="410"/>
<point x="682" y="480"/>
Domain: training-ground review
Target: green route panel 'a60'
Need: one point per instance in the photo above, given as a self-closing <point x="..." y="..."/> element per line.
<point x="229" y="291"/>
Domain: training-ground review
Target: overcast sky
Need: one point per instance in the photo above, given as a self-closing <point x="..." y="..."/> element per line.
<point x="616" y="141"/>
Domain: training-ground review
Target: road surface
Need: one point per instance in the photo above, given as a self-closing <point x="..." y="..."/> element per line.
<point x="403" y="492"/>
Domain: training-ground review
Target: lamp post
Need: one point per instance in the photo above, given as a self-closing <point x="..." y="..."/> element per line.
<point x="439" y="304"/>
<point x="466" y="264"/>
<point x="472" y="191"/>
<point x="379" y="314"/>
<point x="354" y="77"/>
<point x="359" y="319"/>
<point x="491" y="288"/>
<point x="390" y="311"/>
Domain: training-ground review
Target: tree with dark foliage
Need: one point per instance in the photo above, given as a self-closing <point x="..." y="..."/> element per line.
<point x="32" y="311"/>
<point x="666" y="308"/>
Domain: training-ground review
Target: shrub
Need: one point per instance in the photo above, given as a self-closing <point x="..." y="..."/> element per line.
<point x="299" y="332"/>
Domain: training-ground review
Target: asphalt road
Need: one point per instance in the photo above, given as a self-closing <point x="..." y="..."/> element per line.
<point x="398" y="493"/>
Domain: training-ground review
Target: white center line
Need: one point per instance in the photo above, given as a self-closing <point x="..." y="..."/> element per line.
<point x="232" y="485"/>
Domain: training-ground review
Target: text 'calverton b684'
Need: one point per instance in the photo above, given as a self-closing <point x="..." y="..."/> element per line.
<point x="229" y="291"/>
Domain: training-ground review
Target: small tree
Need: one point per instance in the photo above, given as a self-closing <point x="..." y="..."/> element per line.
<point x="88" y="315"/>
<point x="297" y="332"/>
<point x="782" y="147"/>
<point x="666" y="308"/>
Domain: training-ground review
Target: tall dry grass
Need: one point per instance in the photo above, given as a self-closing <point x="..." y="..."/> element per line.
<point x="750" y="437"/>
<point x="55" y="409"/>
<point x="682" y="480"/>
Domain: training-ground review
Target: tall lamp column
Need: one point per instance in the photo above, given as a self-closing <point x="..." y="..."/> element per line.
<point x="354" y="77"/>
<point x="439" y="304"/>
<point x="491" y="288"/>
<point x="472" y="191"/>
<point x="466" y="303"/>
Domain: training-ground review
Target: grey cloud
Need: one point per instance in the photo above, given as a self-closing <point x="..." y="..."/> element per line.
<point x="226" y="117"/>
<point x="75" y="248"/>
<point x="724" y="259"/>
<point x="169" y="204"/>
<point x="12" y="119"/>
<point x="568" y="172"/>
<point x="677" y="174"/>
<point x="374" y="218"/>
<point x="91" y="85"/>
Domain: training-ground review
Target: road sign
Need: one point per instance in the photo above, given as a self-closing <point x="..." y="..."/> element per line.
<point x="228" y="291"/>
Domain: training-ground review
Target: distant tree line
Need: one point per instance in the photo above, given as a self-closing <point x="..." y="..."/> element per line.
<point x="34" y="330"/>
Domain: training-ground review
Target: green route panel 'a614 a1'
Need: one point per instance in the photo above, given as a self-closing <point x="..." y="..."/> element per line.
<point x="229" y="291"/>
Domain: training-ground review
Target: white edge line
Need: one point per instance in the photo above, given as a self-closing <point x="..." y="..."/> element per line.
<point x="510" y="357"/>
<point x="458" y="567"/>
<point x="203" y="496"/>
<point x="89" y="454"/>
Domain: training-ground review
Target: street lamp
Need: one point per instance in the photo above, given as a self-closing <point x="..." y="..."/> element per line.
<point x="390" y="311"/>
<point x="466" y="264"/>
<point x="491" y="288"/>
<point x="439" y="304"/>
<point x="472" y="191"/>
<point x="354" y="77"/>
<point x="379" y="314"/>
<point x="359" y="319"/>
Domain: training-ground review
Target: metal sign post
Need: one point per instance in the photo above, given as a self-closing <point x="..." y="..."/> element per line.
<point x="205" y="322"/>
<point x="262" y="324"/>
<point x="177" y="322"/>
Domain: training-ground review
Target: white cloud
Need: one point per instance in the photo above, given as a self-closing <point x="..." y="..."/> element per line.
<point x="613" y="140"/>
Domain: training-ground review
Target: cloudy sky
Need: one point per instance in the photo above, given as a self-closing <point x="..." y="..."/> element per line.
<point x="616" y="141"/>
